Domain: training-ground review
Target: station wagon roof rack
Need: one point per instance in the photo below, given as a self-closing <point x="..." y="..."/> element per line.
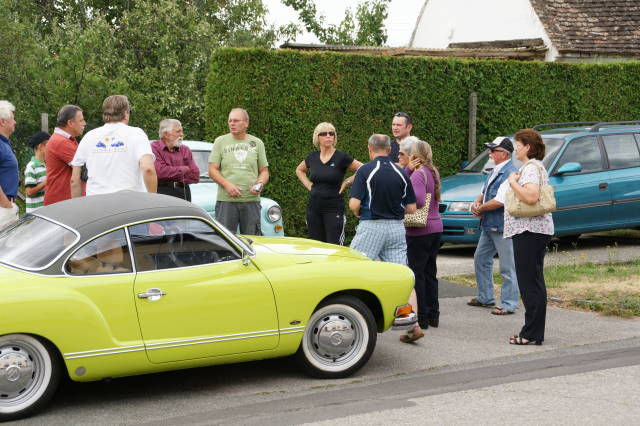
<point x="571" y="123"/>
<point x="597" y="127"/>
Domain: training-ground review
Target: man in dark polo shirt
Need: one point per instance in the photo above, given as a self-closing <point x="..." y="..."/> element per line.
<point x="380" y="196"/>
<point x="174" y="162"/>
<point x="9" y="174"/>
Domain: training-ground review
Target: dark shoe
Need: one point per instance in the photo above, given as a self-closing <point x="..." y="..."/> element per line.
<point x="501" y="311"/>
<point x="517" y="340"/>
<point x="434" y="322"/>
<point x="476" y="302"/>
<point x="423" y="324"/>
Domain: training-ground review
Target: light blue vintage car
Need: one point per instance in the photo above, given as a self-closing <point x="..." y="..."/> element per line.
<point x="594" y="168"/>
<point x="205" y="193"/>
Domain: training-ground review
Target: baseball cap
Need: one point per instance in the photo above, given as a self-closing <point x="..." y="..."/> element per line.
<point x="500" y="142"/>
<point x="38" y="138"/>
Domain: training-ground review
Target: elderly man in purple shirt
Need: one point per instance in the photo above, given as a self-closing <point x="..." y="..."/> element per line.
<point x="174" y="162"/>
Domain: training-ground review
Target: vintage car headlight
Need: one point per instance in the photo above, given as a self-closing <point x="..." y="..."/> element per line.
<point x="460" y="206"/>
<point x="274" y="213"/>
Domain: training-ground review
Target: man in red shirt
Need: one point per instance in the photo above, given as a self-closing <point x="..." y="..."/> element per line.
<point x="60" y="151"/>
<point x="174" y="162"/>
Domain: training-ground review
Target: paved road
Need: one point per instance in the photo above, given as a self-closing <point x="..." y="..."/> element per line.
<point x="458" y="259"/>
<point x="467" y="353"/>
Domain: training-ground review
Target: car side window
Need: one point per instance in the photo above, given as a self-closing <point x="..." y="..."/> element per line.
<point x="622" y="151"/>
<point x="585" y="151"/>
<point x="108" y="254"/>
<point x="177" y="243"/>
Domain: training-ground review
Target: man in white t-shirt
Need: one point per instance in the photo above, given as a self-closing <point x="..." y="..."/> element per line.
<point x="118" y="157"/>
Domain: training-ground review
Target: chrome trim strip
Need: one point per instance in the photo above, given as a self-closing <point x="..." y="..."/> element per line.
<point x="212" y="337"/>
<point x="302" y="327"/>
<point x="627" y="200"/>
<point x="134" y="268"/>
<point x="102" y="350"/>
<point x="104" y="353"/>
<point x="213" y="340"/>
<point x="583" y="206"/>
<point x="293" y="331"/>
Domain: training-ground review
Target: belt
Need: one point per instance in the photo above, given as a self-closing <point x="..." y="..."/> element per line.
<point x="173" y="184"/>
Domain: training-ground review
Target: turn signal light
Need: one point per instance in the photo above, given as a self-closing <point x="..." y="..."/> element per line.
<point x="403" y="310"/>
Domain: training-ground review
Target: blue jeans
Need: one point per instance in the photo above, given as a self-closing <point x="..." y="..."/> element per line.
<point x="491" y="242"/>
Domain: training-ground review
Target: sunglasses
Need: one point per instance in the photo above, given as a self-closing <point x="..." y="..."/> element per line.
<point x="327" y="134"/>
<point x="498" y="150"/>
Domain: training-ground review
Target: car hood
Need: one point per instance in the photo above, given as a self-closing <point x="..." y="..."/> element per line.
<point x="462" y="187"/>
<point x="302" y="247"/>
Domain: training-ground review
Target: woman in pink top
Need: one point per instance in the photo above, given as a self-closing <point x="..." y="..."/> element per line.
<point x="423" y="242"/>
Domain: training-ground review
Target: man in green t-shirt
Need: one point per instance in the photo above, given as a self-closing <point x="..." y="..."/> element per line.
<point x="238" y="164"/>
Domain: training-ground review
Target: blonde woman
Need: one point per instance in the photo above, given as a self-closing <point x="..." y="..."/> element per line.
<point x="423" y="242"/>
<point x="325" y="182"/>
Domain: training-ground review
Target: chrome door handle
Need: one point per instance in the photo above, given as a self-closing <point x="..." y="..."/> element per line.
<point x="152" y="294"/>
<point x="603" y="186"/>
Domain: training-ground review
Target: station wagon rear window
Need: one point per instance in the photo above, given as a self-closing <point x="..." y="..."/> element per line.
<point x="33" y="243"/>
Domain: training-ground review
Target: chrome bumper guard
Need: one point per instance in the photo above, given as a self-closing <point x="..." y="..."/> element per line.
<point x="405" y="322"/>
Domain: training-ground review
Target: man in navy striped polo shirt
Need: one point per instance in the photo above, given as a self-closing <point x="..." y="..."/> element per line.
<point x="380" y="196"/>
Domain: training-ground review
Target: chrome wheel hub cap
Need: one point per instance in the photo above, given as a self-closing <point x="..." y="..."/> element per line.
<point x="334" y="336"/>
<point x="16" y="371"/>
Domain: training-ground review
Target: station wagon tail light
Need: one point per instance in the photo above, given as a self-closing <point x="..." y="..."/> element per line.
<point x="278" y="228"/>
<point x="403" y="310"/>
<point x="459" y="206"/>
<point x="274" y="213"/>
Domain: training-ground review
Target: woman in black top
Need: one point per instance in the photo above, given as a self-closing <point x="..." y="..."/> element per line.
<point x="325" y="209"/>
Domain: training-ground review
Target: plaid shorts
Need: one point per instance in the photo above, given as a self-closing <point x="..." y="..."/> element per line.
<point x="382" y="238"/>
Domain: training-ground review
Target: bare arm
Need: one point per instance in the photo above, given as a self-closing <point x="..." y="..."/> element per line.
<point x="476" y="204"/>
<point x="354" y="205"/>
<point x="149" y="173"/>
<point x="76" y="182"/>
<point x="231" y="188"/>
<point x="354" y="166"/>
<point x="529" y="193"/>
<point x="301" y="172"/>
<point x="33" y="190"/>
<point x="410" y="208"/>
<point x="263" y="178"/>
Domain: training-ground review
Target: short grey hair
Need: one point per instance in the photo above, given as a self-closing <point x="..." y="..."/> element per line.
<point x="407" y="143"/>
<point x="243" y="111"/>
<point x="67" y="113"/>
<point x="379" y="142"/>
<point x="167" y="125"/>
<point x="6" y="109"/>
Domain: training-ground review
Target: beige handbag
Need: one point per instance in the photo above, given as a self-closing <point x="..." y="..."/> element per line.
<point x="545" y="204"/>
<point x="419" y="218"/>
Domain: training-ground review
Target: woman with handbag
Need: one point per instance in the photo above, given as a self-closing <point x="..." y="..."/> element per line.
<point x="528" y="221"/>
<point x="423" y="231"/>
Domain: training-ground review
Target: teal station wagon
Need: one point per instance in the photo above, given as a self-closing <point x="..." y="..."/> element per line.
<point x="594" y="168"/>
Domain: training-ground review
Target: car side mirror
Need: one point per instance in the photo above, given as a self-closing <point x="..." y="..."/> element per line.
<point x="569" y="168"/>
<point x="245" y="258"/>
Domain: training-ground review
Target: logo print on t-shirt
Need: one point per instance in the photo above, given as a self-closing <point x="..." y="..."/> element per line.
<point x="240" y="155"/>
<point x="332" y="165"/>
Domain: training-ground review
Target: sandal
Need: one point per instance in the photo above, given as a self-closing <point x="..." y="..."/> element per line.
<point x="517" y="340"/>
<point x="476" y="302"/>
<point x="412" y="335"/>
<point x="501" y="311"/>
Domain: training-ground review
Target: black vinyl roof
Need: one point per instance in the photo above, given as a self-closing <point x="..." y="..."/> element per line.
<point x="94" y="214"/>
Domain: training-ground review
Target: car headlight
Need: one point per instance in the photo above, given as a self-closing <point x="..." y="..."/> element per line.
<point x="274" y="213"/>
<point x="460" y="206"/>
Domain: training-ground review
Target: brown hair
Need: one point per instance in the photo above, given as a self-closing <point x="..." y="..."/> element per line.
<point x="114" y="108"/>
<point x="534" y="140"/>
<point x="422" y="150"/>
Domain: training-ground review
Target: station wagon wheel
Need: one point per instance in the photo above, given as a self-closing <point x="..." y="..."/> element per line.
<point x="29" y="375"/>
<point x="339" y="338"/>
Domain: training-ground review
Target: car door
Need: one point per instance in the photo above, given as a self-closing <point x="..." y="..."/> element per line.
<point x="583" y="198"/>
<point x="195" y="296"/>
<point x="624" y="164"/>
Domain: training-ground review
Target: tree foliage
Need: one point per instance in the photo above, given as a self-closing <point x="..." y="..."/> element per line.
<point x="365" y="28"/>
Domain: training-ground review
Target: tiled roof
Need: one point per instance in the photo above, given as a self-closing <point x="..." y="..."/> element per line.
<point x="600" y="27"/>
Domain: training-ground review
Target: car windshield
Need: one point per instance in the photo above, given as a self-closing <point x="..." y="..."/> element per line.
<point x="33" y="242"/>
<point x="483" y="163"/>
<point x="202" y="161"/>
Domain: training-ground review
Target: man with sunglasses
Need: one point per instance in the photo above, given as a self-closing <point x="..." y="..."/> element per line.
<point x="401" y="128"/>
<point x="491" y="212"/>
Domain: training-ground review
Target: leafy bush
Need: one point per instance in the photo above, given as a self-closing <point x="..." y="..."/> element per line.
<point x="287" y="93"/>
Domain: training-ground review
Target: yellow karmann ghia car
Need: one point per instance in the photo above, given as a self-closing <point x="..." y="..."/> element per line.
<point x="133" y="283"/>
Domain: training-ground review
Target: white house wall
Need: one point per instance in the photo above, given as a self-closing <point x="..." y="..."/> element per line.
<point x="457" y="21"/>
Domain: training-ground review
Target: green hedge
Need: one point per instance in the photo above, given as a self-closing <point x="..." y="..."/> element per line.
<point x="287" y="93"/>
